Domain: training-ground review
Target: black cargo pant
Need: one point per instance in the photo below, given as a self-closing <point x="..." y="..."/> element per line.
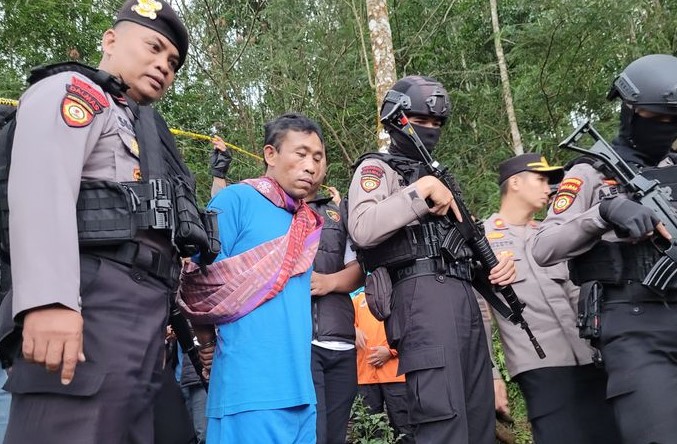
<point x="335" y="380"/>
<point x="437" y="329"/>
<point x="568" y="405"/>
<point x="110" y="398"/>
<point x="639" y="348"/>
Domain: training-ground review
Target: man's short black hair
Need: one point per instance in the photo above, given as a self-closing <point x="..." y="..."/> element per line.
<point x="277" y="129"/>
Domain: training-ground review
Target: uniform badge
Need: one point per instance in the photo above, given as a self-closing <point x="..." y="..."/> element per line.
<point x="506" y="253"/>
<point x="147" y="8"/>
<point x="137" y="174"/>
<point x="333" y="215"/>
<point x="495" y="235"/>
<point x="81" y="103"/>
<point x="499" y="224"/>
<point x="135" y="147"/>
<point x="371" y="177"/>
<point x="566" y="194"/>
<point x="75" y="114"/>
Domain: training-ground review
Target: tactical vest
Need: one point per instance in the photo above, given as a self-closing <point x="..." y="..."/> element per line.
<point x="618" y="262"/>
<point x="333" y="314"/>
<point x="411" y="242"/>
<point x="111" y="213"/>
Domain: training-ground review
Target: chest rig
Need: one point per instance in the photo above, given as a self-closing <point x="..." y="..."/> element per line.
<point x="112" y="213"/>
<point x="413" y="241"/>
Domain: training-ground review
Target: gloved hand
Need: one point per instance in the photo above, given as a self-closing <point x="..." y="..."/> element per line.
<point x="220" y="162"/>
<point x="220" y="158"/>
<point x="628" y="218"/>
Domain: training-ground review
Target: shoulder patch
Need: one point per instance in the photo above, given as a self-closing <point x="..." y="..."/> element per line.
<point x="81" y="103"/>
<point x="370" y="177"/>
<point x="566" y="194"/>
<point x="333" y="215"/>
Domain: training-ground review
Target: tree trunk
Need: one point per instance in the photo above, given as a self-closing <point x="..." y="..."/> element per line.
<point x="505" y="81"/>
<point x="384" y="58"/>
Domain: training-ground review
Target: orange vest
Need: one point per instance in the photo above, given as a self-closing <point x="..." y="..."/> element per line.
<point x="376" y="335"/>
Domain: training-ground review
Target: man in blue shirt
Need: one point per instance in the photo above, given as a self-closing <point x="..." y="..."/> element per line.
<point x="261" y="387"/>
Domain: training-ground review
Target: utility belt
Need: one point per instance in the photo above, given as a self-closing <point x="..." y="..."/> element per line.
<point x="406" y="245"/>
<point x="615" y="263"/>
<point x="594" y="295"/>
<point x="163" y="266"/>
<point x="111" y="213"/>
<point x="461" y="269"/>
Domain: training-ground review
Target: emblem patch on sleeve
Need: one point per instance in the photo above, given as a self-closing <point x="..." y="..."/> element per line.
<point x="566" y="194"/>
<point x="81" y="103"/>
<point x="333" y="215"/>
<point x="371" y="176"/>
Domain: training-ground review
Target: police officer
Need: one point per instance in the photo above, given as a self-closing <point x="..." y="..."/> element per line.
<point x="604" y="234"/>
<point x="565" y="391"/>
<point x="435" y="323"/>
<point x="93" y="316"/>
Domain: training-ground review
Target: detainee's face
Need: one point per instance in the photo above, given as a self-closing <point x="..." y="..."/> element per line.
<point x="143" y="58"/>
<point x="532" y="188"/>
<point x="298" y="164"/>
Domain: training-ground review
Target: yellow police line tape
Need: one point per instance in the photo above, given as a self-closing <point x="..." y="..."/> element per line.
<point x="176" y="132"/>
<point x="197" y="136"/>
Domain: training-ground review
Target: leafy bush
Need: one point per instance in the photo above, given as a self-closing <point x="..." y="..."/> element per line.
<point x="368" y="428"/>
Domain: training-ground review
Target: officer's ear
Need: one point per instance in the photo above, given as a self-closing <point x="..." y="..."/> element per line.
<point x="108" y="41"/>
<point x="514" y="182"/>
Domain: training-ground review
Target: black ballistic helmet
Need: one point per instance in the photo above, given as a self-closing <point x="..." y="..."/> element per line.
<point x="428" y="97"/>
<point x="649" y="82"/>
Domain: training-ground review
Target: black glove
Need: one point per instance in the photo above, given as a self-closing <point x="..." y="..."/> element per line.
<point x="628" y="218"/>
<point x="220" y="162"/>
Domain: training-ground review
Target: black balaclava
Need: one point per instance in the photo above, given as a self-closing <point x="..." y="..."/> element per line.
<point x="650" y="140"/>
<point x="403" y="146"/>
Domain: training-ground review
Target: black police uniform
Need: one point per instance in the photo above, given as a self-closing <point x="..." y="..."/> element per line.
<point x="435" y="324"/>
<point x="589" y="224"/>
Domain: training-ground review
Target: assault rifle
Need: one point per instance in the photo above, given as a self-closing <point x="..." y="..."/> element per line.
<point x="644" y="191"/>
<point x="184" y="336"/>
<point x="464" y="231"/>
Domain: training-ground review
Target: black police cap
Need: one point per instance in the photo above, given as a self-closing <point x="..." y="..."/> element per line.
<point x="158" y="16"/>
<point x="533" y="162"/>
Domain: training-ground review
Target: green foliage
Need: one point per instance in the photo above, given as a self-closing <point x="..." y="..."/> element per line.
<point x="251" y="60"/>
<point x="367" y="428"/>
<point x="518" y="408"/>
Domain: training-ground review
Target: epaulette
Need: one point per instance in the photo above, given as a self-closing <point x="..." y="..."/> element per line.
<point x="106" y="81"/>
<point x="405" y="167"/>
